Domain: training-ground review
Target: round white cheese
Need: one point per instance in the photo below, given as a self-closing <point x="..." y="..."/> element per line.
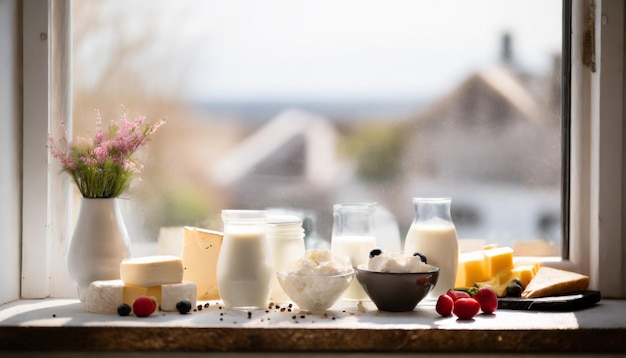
<point x="104" y="296"/>
<point x="172" y="293"/>
<point x="152" y="270"/>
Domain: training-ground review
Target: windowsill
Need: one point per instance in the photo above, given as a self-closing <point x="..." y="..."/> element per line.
<point x="64" y="325"/>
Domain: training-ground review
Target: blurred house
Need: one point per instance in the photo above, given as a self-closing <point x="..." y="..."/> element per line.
<point x="492" y="144"/>
<point x="292" y="159"/>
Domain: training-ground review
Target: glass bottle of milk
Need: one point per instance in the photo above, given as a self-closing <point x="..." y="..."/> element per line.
<point x="244" y="266"/>
<point x="285" y="236"/>
<point x="433" y="234"/>
<point x="353" y="236"/>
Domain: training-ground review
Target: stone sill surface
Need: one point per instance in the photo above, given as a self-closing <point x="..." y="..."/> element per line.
<point x="64" y="325"/>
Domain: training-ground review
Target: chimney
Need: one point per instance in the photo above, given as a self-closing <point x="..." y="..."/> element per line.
<point x="506" y="54"/>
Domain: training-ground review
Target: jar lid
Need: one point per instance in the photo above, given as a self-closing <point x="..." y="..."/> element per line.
<point x="283" y="220"/>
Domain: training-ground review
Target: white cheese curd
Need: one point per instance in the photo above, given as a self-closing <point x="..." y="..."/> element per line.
<point x="317" y="280"/>
<point x="397" y="262"/>
<point x="320" y="262"/>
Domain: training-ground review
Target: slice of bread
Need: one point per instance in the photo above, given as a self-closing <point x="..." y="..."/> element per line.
<point x="550" y="281"/>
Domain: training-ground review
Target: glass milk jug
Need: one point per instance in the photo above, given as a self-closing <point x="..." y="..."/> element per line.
<point x="285" y="236"/>
<point x="353" y="236"/>
<point x="433" y="234"/>
<point x="244" y="266"/>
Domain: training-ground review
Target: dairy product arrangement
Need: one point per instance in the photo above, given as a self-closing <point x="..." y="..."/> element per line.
<point x="316" y="279"/>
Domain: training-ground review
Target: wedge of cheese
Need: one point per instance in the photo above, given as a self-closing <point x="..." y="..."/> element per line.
<point x="550" y="281"/>
<point x="201" y="249"/>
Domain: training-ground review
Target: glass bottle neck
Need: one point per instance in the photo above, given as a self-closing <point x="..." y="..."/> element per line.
<point x="427" y="209"/>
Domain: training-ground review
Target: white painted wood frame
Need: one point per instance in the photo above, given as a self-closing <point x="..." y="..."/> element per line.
<point x="597" y="244"/>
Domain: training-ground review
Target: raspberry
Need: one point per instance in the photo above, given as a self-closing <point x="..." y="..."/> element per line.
<point x="144" y="306"/>
<point x="444" y="305"/>
<point x="455" y="295"/>
<point x="466" y="308"/>
<point x="487" y="299"/>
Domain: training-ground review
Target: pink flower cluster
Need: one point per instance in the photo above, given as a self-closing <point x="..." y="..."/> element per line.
<point x="111" y="150"/>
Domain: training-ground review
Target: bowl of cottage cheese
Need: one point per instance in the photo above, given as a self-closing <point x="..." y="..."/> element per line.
<point x="317" y="280"/>
<point x="396" y="282"/>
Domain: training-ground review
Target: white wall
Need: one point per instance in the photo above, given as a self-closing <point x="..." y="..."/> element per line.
<point x="10" y="152"/>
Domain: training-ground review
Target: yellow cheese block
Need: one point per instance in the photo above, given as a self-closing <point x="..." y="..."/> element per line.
<point x="498" y="260"/>
<point x="524" y="273"/>
<point x="131" y="292"/>
<point x="471" y="269"/>
<point x="201" y="249"/>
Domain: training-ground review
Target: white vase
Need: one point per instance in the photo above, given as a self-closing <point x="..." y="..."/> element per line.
<point x="99" y="243"/>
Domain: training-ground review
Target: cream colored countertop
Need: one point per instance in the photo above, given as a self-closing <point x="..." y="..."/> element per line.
<point x="64" y="325"/>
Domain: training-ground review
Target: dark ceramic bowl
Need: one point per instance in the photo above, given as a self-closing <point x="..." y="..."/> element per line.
<point x="396" y="292"/>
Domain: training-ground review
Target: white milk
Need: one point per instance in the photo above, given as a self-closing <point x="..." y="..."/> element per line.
<point x="357" y="248"/>
<point x="440" y="245"/>
<point x="244" y="270"/>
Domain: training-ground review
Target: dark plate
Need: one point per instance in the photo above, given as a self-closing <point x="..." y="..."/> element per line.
<point x="567" y="302"/>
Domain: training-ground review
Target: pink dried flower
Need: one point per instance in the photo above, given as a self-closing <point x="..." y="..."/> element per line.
<point x="103" y="166"/>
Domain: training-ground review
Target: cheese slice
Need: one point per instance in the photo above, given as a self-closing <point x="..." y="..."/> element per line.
<point x="104" y="296"/>
<point x="152" y="270"/>
<point x="201" y="249"/>
<point x="550" y="281"/>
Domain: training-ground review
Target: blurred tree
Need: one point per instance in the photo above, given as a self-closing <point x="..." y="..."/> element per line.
<point x="377" y="149"/>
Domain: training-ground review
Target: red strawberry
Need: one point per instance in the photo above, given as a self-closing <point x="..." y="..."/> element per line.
<point x="455" y="295"/>
<point x="487" y="299"/>
<point x="144" y="306"/>
<point x="444" y="305"/>
<point x="466" y="308"/>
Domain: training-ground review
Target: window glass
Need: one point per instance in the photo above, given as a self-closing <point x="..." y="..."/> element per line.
<point x="297" y="105"/>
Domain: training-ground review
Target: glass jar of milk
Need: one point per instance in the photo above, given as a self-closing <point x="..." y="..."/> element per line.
<point x="244" y="266"/>
<point x="353" y="236"/>
<point x="433" y="234"/>
<point x="285" y="236"/>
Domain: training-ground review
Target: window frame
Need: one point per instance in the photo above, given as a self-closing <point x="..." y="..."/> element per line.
<point x="595" y="164"/>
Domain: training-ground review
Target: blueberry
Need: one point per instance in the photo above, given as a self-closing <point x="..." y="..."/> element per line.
<point x="375" y="252"/>
<point x="184" y="306"/>
<point x="123" y="309"/>
<point x="422" y="257"/>
<point x="513" y="290"/>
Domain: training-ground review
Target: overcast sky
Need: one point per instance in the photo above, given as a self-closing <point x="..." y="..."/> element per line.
<point x="342" y="49"/>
